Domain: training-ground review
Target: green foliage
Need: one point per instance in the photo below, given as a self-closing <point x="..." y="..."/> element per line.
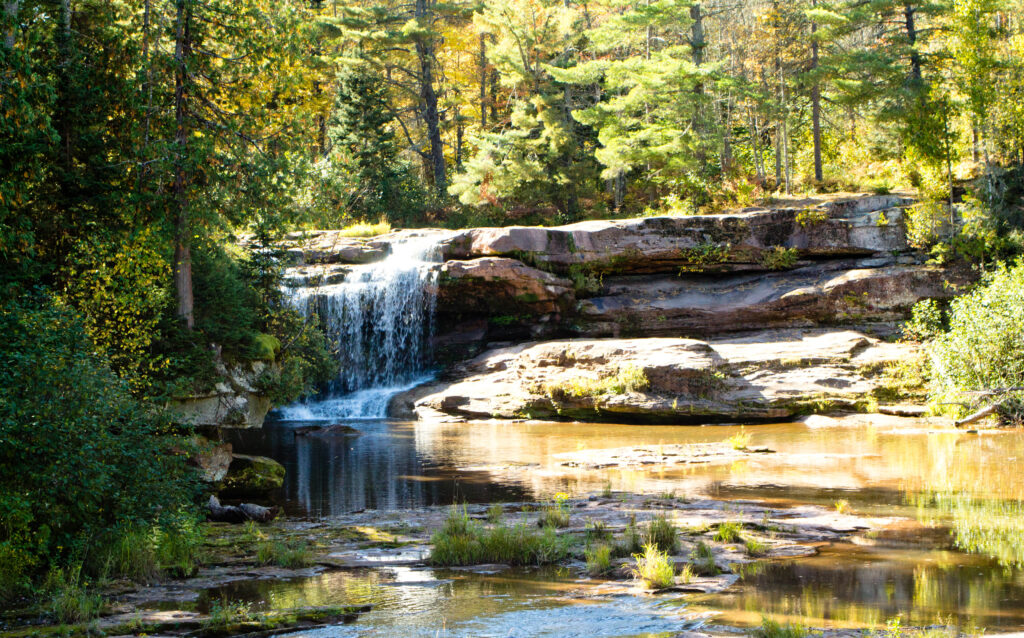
<point x="729" y="532"/>
<point x="292" y="555"/>
<point x="926" y="321"/>
<point x="662" y="534"/>
<point x="626" y="379"/>
<point x="632" y="540"/>
<point x="740" y="440"/>
<point x="366" y="229"/>
<point x="463" y="542"/>
<point x="755" y="547"/>
<point x="773" y="629"/>
<point x="809" y="217"/>
<point x="494" y="513"/>
<point x="70" y="602"/>
<point x="85" y="463"/>
<point x="779" y="258"/>
<point x="599" y="559"/>
<point x="144" y="554"/>
<point x="654" y="568"/>
<point x="554" y="515"/>
<point x="363" y="178"/>
<point x="984" y="347"/>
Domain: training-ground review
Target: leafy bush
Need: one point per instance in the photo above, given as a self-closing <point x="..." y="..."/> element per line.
<point x="926" y="321"/>
<point x="984" y="347"/>
<point x="84" y="463"/>
<point x="779" y="258"/>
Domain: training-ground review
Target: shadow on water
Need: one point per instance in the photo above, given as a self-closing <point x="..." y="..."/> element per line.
<point x="380" y="465"/>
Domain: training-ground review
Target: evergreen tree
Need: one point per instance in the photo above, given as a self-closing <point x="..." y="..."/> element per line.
<point x="372" y="181"/>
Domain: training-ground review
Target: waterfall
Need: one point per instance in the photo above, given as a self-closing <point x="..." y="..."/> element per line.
<point x="380" y="318"/>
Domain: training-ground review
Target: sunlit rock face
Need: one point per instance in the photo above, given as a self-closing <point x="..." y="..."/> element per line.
<point x="650" y="286"/>
<point x="769" y="375"/>
<point x="726" y="242"/>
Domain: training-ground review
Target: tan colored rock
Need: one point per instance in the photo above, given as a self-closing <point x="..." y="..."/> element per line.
<point x="500" y="286"/>
<point x="823" y="294"/>
<point x="726" y="242"/>
<point x="771" y="375"/>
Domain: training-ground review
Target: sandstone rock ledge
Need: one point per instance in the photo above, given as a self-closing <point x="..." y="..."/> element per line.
<point x="771" y="375"/>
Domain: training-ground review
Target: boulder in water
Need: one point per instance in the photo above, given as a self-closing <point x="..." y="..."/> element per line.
<point x="252" y="477"/>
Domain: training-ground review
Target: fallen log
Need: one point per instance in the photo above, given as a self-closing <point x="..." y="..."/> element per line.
<point x="240" y="513"/>
<point x="979" y="415"/>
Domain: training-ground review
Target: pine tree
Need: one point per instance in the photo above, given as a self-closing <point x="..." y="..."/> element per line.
<point x="363" y="147"/>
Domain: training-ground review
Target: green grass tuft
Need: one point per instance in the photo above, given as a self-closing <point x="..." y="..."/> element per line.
<point x="662" y="534"/>
<point x="655" y="568"/>
<point x="729" y="532"/>
<point x="599" y="560"/>
<point x="366" y="229"/>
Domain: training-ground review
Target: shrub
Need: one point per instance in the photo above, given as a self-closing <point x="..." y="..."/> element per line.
<point x="85" y="464"/>
<point x="729" y="532"/>
<point x="662" y="534"/>
<point x="655" y="568"/>
<point x="926" y="321"/>
<point x="366" y="229"/>
<point x="984" y="347"/>
<point x="70" y="601"/>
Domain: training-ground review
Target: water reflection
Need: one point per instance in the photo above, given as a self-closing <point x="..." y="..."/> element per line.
<point x="382" y="465"/>
<point x="948" y="480"/>
<point x="420" y="602"/>
<point x="852" y="586"/>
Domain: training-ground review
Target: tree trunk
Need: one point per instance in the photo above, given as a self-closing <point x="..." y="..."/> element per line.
<point x="915" y="55"/>
<point x="11" y="10"/>
<point x="64" y="106"/>
<point x="697" y="46"/>
<point x="425" y="53"/>
<point x="483" y="82"/>
<point x="182" y="230"/>
<point x="697" y="40"/>
<point x="819" y="174"/>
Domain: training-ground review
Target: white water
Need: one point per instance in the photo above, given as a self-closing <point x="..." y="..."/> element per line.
<point x="380" y="318"/>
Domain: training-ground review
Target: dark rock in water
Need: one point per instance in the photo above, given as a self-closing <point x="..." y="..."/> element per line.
<point x="252" y="477"/>
<point x="240" y="513"/>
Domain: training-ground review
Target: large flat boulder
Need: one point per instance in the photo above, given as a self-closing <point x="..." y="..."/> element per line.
<point x="825" y="293"/>
<point x="744" y="240"/>
<point x="770" y="375"/>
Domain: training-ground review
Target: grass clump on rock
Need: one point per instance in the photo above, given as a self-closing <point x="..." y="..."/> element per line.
<point x="462" y="541"/>
<point x="599" y="559"/>
<point x="774" y="629"/>
<point x="729" y="532"/>
<point x="654" y="568"/>
<point x="291" y="555"/>
<point x="663" y="534"/>
<point x="626" y="379"/>
<point x="366" y="229"/>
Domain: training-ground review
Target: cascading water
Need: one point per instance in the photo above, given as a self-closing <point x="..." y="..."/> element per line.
<point x="380" y="318"/>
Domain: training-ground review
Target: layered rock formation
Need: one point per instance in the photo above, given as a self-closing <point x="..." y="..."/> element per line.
<point x="655" y="285"/>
